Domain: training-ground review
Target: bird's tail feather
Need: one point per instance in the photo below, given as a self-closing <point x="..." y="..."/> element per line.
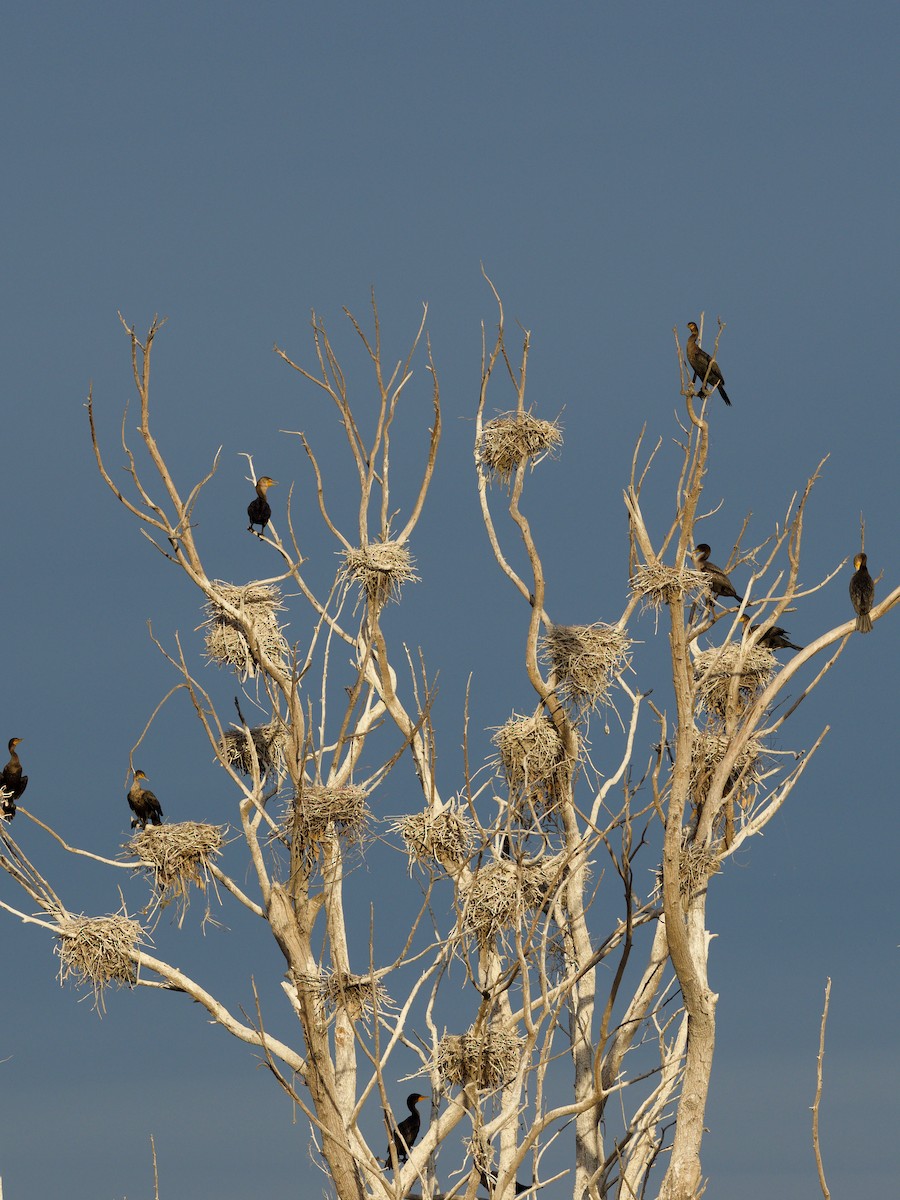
<point x="863" y="623"/>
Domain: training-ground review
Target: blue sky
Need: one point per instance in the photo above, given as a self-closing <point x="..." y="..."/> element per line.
<point x="617" y="169"/>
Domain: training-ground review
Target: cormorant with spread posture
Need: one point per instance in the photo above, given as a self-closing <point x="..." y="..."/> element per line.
<point x="143" y="803"/>
<point x="12" y="780"/>
<point x="775" y="638"/>
<point x="862" y="594"/>
<point x="258" y="510"/>
<point x="705" y="369"/>
<point x="719" y="583"/>
<point x="406" y="1131"/>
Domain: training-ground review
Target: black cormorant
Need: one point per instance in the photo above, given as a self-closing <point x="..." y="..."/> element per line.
<point x="705" y="369"/>
<point x="12" y="780"/>
<point x="258" y="510"/>
<point x="775" y="638"/>
<point x="406" y="1132"/>
<point x="143" y="804"/>
<point x="862" y="593"/>
<point x="719" y="583"/>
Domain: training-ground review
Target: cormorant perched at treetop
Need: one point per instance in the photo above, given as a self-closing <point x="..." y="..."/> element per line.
<point x="719" y="583"/>
<point x="143" y="803"/>
<point x="705" y="369"/>
<point x="404" y="1136"/>
<point x="775" y="638"/>
<point x="12" y="780"/>
<point x="862" y="593"/>
<point x="258" y="510"/>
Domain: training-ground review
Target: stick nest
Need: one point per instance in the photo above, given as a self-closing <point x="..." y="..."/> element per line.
<point x="695" y="865"/>
<point x="319" y="813"/>
<point x="534" y="760"/>
<point x="586" y="659"/>
<point x="658" y="584"/>
<point x="446" y="837"/>
<point x="97" y="951"/>
<point x="512" y="437"/>
<point x="178" y="855"/>
<point x="708" y="750"/>
<point x="380" y="570"/>
<point x="226" y="641"/>
<point x="359" y="996"/>
<point x="268" y="741"/>
<point x="715" y="670"/>
<point x="500" y="895"/>
<point x="489" y="1059"/>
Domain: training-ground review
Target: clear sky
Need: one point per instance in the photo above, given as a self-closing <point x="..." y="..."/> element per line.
<point x="618" y="169"/>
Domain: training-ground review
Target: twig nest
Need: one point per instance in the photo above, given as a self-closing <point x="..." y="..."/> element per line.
<point x="586" y="659"/>
<point x="446" y="837"/>
<point x="512" y="437"/>
<point x="318" y="813"/>
<point x="359" y="996"/>
<point x="268" y="742"/>
<point x="716" y="670"/>
<point x="658" y="584"/>
<point x="500" y="894"/>
<point x="227" y="643"/>
<point x="98" y="951"/>
<point x="178" y="855"/>
<point x="708" y="750"/>
<point x="380" y="569"/>
<point x="695" y="865"/>
<point x="488" y="1059"/>
<point x="534" y="759"/>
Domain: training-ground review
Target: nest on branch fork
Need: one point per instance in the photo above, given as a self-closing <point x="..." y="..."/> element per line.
<point x="380" y="570"/>
<point x="512" y="438"/>
<point x="98" y="951"/>
<point x="226" y="641"/>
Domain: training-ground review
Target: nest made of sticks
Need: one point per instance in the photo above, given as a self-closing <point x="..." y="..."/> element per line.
<point x="359" y="996"/>
<point x="586" y="659"/>
<point x="512" y="437"/>
<point x="98" y="951"/>
<point x="715" y="670"/>
<point x="268" y="741"/>
<point x="380" y="570"/>
<point x="488" y="1060"/>
<point x="500" y="894"/>
<point x="696" y="864"/>
<point x="446" y="837"/>
<point x="658" y="584"/>
<point x="178" y="855"/>
<point x="318" y="813"/>
<point x="534" y="760"/>
<point x="707" y="752"/>
<point x="226" y="641"/>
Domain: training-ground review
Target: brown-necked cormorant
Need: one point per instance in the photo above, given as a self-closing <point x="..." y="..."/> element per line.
<point x="862" y="594"/>
<point x="719" y="583"/>
<point x="775" y="638"/>
<point x="705" y="369"/>
<point x="143" y="804"/>
<point x="406" y="1132"/>
<point x="258" y="510"/>
<point x="12" y="780"/>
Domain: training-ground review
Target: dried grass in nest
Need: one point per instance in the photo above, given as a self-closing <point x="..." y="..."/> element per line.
<point x="695" y="865"/>
<point x="659" y="584"/>
<point x="533" y="757"/>
<point x="500" y="894"/>
<point x="356" y="995"/>
<point x="586" y="659"/>
<point x="512" y="437"/>
<point x="714" y="671"/>
<point x="380" y="569"/>
<point x="97" y="951"/>
<point x="178" y="855"/>
<point x="318" y="813"/>
<point x="268" y="741"/>
<point x="226" y="642"/>
<point x="446" y="837"/>
<point x="488" y="1060"/>
<point x="708" y="751"/>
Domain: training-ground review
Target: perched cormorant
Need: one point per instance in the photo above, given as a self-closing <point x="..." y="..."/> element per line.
<point x="258" y="510"/>
<point x="775" y="638"/>
<point x="719" y="583"/>
<point x="862" y="594"/>
<point x="489" y="1182"/>
<point x="404" y="1136"/>
<point x="143" y="804"/>
<point x="12" y="780"/>
<point x="705" y="369"/>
